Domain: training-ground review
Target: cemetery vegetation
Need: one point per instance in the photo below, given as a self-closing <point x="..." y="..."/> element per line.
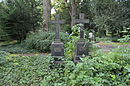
<point x="22" y="32"/>
<point x="126" y="36"/>
<point x="41" y="41"/>
<point x="98" y="69"/>
<point x="73" y="38"/>
<point x="19" y="17"/>
<point x="17" y="49"/>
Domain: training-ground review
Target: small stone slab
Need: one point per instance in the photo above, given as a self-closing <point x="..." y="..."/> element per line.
<point x="57" y="49"/>
<point x="81" y="50"/>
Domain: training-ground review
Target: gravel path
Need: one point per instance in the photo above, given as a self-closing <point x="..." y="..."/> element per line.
<point x="107" y="47"/>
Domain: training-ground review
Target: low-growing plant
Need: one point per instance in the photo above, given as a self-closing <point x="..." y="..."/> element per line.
<point x="23" y="70"/>
<point x="126" y="37"/>
<point x="17" y="49"/>
<point x="99" y="69"/>
<point x="3" y="55"/>
<point x="70" y="47"/>
<point x="105" y="39"/>
<point x="3" y="35"/>
<point x="41" y="41"/>
<point x="73" y="38"/>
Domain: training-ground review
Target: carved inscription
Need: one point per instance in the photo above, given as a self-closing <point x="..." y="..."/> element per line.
<point x="82" y="48"/>
<point x="57" y="49"/>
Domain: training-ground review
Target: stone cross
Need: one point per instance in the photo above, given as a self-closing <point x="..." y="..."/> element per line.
<point x="82" y="20"/>
<point x="81" y="46"/>
<point x="58" y="22"/>
<point x="57" y="47"/>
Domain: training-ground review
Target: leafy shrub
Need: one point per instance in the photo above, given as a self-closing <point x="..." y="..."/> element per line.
<point x="3" y="57"/>
<point x="17" y="49"/>
<point x="67" y="28"/>
<point x="70" y="47"/>
<point x="76" y="29"/>
<point x="110" y="69"/>
<point x="114" y="39"/>
<point x="24" y="71"/>
<point x="41" y="41"/>
<point x="126" y="37"/>
<point x="18" y="17"/>
<point x="3" y="35"/>
<point x="105" y="39"/>
<point x="71" y="44"/>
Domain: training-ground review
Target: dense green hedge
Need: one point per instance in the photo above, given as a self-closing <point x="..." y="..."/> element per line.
<point x="17" y="49"/>
<point x="41" y="41"/>
<point x="100" y="69"/>
<point x="19" y="17"/>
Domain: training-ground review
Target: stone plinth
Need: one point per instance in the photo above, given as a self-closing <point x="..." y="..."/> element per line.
<point x="81" y="50"/>
<point x="57" y="49"/>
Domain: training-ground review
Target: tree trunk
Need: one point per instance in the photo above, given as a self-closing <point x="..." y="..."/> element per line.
<point x="32" y="15"/>
<point x="73" y="12"/>
<point x="46" y="14"/>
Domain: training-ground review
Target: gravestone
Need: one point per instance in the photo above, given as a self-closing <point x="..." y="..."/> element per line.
<point x="81" y="45"/>
<point x="57" y="47"/>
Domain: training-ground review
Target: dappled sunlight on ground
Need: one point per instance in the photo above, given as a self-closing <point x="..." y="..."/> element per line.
<point x="33" y="54"/>
<point x="8" y="43"/>
<point x="106" y="47"/>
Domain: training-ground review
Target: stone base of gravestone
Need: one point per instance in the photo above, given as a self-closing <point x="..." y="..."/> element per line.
<point x="57" y="48"/>
<point x="58" y="59"/>
<point x="81" y="50"/>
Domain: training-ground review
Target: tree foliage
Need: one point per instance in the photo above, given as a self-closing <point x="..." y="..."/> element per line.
<point x="18" y="17"/>
<point x="107" y="15"/>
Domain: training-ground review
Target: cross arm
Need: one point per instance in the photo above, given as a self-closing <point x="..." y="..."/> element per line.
<point x="57" y="22"/>
<point x="82" y="21"/>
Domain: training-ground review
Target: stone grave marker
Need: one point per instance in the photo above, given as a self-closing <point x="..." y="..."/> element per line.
<point x="57" y="47"/>
<point x="81" y="45"/>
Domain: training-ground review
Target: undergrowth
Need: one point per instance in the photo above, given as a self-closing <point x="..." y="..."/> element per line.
<point x="17" y="49"/>
<point x="41" y="41"/>
<point x="99" y="69"/>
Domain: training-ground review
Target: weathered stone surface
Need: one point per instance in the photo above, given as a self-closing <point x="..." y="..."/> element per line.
<point x="82" y="49"/>
<point x="58" y="22"/>
<point x="81" y="46"/>
<point x="57" y="49"/>
<point x="82" y="19"/>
